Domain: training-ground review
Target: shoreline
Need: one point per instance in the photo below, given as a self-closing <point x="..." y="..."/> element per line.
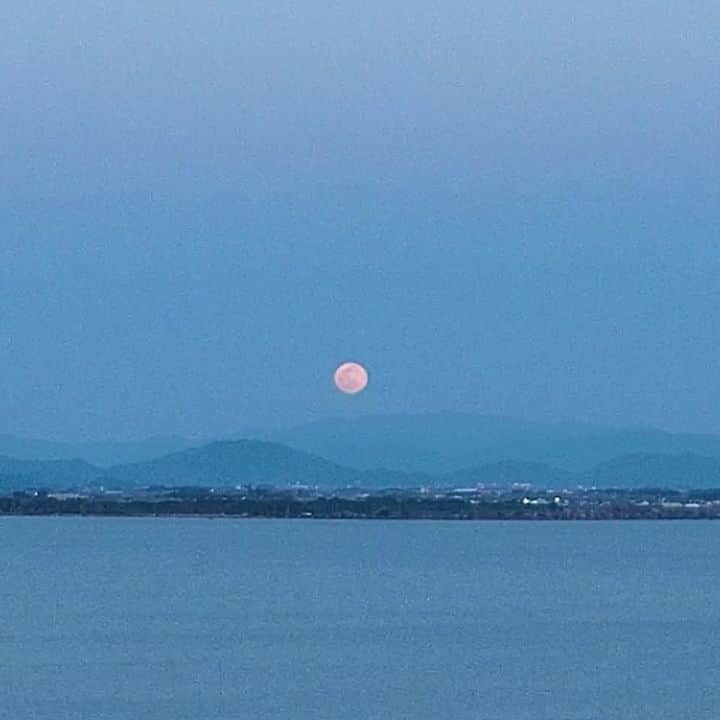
<point x="260" y="518"/>
<point x="277" y="505"/>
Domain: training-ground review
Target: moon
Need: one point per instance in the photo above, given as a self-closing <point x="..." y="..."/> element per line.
<point x="351" y="378"/>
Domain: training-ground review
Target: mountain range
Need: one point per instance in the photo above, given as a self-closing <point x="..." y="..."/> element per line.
<point x="254" y="462"/>
<point x="393" y="451"/>
<point x="429" y="443"/>
<point x="103" y="453"/>
<point x="444" y="442"/>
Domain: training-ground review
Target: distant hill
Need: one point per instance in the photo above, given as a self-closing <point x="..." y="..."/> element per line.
<point x="642" y="470"/>
<point x="445" y="442"/>
<point x="255" y="462"/>
<point x="101" y="453"/>
<point x="432" y="443"/>
<point x="395" y="451"/>
<point x="232" y="463"/>
<point x="49" y="475"/>
<point x="108" y="453"/>
<point x="638" y="470"/>
<point x="32" y="449"/>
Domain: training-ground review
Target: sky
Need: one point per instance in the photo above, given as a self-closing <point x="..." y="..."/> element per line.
<point x="499" y="207"/>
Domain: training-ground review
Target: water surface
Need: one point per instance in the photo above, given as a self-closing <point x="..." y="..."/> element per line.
<point x="174" y="619"/>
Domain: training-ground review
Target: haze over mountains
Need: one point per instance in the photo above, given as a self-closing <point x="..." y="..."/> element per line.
<point x="103" y="453"/>
<point x="444" y="442"/>
<point x="392" y="451"/>
<point x="19" y="474"/>
<point x="230" y="463"/>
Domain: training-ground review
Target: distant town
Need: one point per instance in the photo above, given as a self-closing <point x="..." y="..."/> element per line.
<point x="518" y="502"/>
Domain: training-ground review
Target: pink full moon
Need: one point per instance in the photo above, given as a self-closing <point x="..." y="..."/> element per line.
<point x="351" y="378"/>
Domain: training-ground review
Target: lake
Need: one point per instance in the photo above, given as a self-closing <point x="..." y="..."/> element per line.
<point x="174" y="619"/>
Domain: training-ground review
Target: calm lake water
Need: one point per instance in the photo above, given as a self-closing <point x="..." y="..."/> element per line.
<point x="163" y="619"/>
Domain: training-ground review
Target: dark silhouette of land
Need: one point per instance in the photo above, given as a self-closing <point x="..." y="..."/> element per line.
<point x="439" y="504"/>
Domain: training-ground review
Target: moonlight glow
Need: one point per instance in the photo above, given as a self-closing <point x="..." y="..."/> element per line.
<point x="351" y="378"/>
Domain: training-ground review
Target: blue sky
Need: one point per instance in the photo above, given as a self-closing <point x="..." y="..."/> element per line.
<point x="503" y="207"/>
